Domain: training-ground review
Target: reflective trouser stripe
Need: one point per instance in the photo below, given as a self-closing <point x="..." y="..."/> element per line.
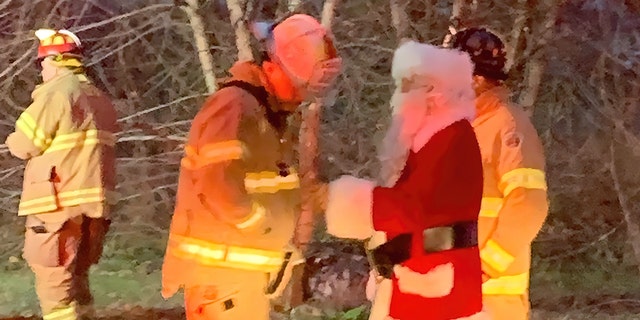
<point x="67" y="313"/>
<point x="508" y="285"/>
<point x="221" y="255"/>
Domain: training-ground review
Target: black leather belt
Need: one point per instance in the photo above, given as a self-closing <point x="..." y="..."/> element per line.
<point x="437" y="239"/>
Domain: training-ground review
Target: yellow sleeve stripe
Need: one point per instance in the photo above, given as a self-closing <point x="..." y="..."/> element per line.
<point x="258" y="213"/>
<point x="270" y="182"/>
<point x="212" y="153"/>
<point x="507" y="285"/>
<point x="522" y="178"/>
<point x="495" y="256"/>
<point x="490" y="207"/>
<point x="80" y="139"/>
<point x="30" y="128"/>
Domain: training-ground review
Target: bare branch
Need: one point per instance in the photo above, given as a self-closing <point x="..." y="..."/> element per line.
<point x="243" y="43"/>
<point x="123" y="16"/>
<point x="181" y="99"/>
<point x="537" y="63"/>
<point x="399" y="17"/>
<point x="206" y="59"/>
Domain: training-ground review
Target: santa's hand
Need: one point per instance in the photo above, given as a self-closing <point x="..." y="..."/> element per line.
<point x="349" y="208"/>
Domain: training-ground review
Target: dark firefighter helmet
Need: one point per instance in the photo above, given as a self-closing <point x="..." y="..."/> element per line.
<point x="486" y="50"/>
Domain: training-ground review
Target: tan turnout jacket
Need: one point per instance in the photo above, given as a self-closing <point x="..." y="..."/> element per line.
<point x="67" y="137"/>
<point x="514" y="204"/>
<point x="236" y="207"/>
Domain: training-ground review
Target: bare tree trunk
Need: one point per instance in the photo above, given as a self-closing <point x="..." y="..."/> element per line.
<point x="457" y="9"/>
<point x="309" y="130"/>
<point x="293" y="5"/>
<point x="537" y="63"/>
<point x="242" y="33"/>
<point x="400" y="18"/>
<point x="516" y="32"/>
<point x="631" y="217"/>
<point x="204" y="54"/>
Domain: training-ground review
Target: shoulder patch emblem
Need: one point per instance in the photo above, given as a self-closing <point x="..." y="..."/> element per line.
<point x="513" y="139"/>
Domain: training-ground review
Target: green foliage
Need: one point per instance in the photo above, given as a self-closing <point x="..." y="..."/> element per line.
<point x="359" y="313"/>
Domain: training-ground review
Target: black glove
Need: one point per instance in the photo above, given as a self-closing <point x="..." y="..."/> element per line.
<point x="392" y="252"/>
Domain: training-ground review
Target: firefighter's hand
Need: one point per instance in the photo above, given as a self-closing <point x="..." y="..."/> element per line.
<point x="485" y="277"/>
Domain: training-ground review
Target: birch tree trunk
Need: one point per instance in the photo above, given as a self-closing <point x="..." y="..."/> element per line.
<point x="457" y="9"/>
<point x="236" y="14"/>
<point x="400" y="18"/>
<point x="537" y="64"/>
<point x="292" y="5"/>
<point x="204" y="54"/>
<point x="309" y="130"/>
<point x="519" y="24"/>
<point x="629" y="210"/>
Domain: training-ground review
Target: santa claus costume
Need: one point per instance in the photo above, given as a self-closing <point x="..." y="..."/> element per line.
<point x="430" y="188"/>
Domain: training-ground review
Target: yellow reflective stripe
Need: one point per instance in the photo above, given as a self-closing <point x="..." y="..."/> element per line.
<point x="62" y="199"/>
<point x="508" y="285"/>
<point x="490" y="207"/>
<point x="258" y="212"/>
<point x="495" y="256"/>
<point x="221" y="255"/>
<point x="212" y="153"/>
<point x="270" y="182"/>
<point x="30" y="128"/>
<point x="522" y="178"/>
<point x="67" y="313"/>
<point x="79" y="139"/>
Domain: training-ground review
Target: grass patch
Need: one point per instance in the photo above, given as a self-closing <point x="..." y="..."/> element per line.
<point x="128" y="275"/>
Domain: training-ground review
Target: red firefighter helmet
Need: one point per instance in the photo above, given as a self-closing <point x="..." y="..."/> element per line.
<point x="303" y="48"/>
<point x="58" y="42"/>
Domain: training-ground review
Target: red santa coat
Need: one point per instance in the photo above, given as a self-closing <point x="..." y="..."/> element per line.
<point x="435" y="179"/>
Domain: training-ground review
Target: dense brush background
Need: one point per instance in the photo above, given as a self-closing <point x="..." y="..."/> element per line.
<point x="575" y="67"/>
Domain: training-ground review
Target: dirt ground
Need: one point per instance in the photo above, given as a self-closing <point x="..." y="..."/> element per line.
<point x="603" y="308"/>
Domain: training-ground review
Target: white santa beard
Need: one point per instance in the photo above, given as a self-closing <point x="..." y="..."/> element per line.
<point x="409" y="111"/>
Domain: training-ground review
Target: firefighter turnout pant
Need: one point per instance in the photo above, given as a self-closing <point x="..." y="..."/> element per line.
<point x="507" y="307"/>
<point x="60" y="255"/>
<point x="239" y="294"/>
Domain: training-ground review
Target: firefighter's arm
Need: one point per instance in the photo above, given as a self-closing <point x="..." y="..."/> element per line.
<point x="217" y="171"/>
<point x="525" y="206"/>
<point x="37" y="125"/>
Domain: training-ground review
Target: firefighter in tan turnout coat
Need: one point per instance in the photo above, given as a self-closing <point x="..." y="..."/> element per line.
<point x="67" y="138"/>
<point x="238" y="193"/>
<point x="514" y="204"/>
